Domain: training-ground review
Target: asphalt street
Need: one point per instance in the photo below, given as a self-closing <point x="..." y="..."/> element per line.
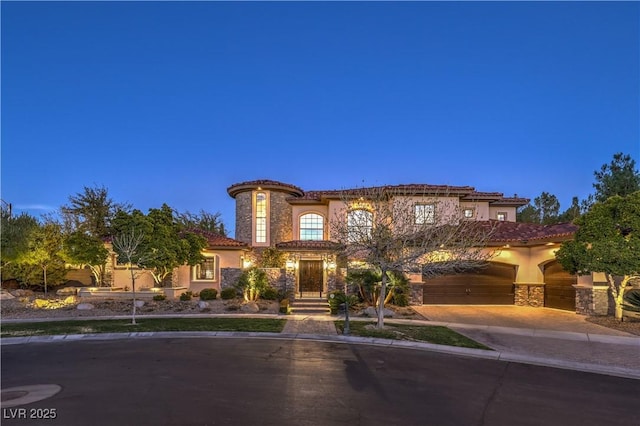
<point x="222" y="381"/>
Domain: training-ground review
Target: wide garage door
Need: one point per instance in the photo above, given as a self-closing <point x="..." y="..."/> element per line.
<point x="492" y="285"/>
<point x="559" y="292"/>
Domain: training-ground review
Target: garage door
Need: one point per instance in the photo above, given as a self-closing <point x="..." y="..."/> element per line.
<point x="559" y="292"/>
<point x="492" y="285"/>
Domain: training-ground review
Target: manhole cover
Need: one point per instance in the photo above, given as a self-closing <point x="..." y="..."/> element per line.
<point x="21" y="395"/>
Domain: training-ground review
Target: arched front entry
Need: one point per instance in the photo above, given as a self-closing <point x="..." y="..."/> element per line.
<point x="491" y="285"/>
<point x="559" y="290"/>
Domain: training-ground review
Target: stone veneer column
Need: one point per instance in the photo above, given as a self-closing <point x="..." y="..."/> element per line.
<point x="601" y="300"/>
<point x="529" y="294"/>
<point x="416" y="296"/>
<point x="584" y="300"/>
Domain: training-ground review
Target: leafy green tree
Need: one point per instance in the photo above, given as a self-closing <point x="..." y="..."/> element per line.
<point x="204" y="221"/>
<point x="608" y="241"/>
<point x="45" y="250"/>
<point x="82" y="249"/>
<point x="166" y="243"/>
<point x="15" y="235"/>
<point x="620" y="177"/>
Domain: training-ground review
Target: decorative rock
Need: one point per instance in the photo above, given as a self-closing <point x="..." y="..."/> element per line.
<point x="371" y="312"/>
<point x="85" y="306"/>
<point x="66" y="291"/>
<point x="139" y="303"/>
<point x="6" y="295"/>
<point x="41" y="303"/>
<point x="202" y="304"/>
<point x="250" y="308"/>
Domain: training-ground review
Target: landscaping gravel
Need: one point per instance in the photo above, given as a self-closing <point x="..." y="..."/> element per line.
<point x="25" y="307"/>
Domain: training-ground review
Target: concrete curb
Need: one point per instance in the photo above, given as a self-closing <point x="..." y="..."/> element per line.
<point x="474" y="353"/>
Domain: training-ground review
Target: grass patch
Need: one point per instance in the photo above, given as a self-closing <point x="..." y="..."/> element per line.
<point x="144" y="325"/>
<point x="424" y="333"/>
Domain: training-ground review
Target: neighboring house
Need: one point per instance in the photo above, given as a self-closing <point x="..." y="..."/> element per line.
<point x="522" y="272"/>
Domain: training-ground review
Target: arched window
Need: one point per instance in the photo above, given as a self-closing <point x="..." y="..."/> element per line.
<point x="261" y="217"/>
<point x="359" y="224"/>
<point x="311" y="227"/>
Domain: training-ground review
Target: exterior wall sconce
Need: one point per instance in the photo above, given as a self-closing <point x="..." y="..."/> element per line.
<point x="291" y="264"/>
<point x="331" y="265"/>
<point x="246" y="262"/>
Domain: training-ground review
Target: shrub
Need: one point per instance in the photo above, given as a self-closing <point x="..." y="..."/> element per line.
<point x="228" y="293"/>
<point x="335" y="299"/>
<point x="159" y="297"/>
<point x="186" y="296"/>
<point x="208" y="294"/>
<point x="253" y="282"/>
<point x="270" y="293"/>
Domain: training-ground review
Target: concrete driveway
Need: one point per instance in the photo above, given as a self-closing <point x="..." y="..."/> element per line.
<point x="515" y="317"/>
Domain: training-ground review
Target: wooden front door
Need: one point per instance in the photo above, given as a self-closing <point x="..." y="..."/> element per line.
<point x="310" y="275"/>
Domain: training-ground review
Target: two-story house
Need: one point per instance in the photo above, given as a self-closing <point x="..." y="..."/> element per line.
<point x="522" y="270"/>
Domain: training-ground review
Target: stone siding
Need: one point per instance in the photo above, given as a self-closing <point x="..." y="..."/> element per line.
<point x="280" y="221"/>
<point x="594" y="300"/>
<point x="229" y="277"/>
<point x="244" y="217"/>
<point x="417" y="293"/>
<point x="529" y="295"/>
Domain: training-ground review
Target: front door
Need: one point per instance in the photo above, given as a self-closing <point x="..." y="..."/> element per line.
<point x="310" y="276"/>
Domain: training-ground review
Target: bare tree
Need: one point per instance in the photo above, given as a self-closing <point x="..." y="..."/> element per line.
<point x="409" y="229"/>
<point x="127" y="245"/>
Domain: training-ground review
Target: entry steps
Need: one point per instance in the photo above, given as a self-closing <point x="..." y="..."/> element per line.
<point x="310" y="306"/>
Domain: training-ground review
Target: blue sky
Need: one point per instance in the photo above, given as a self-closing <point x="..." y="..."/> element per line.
<point x="175" y="101"/>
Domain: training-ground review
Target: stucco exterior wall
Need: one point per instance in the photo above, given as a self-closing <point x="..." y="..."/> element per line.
<point x="122" y="278"/>
<point x="511" y="213"/>
<point x="481" y="209"/>
<point x="297" y="211"/>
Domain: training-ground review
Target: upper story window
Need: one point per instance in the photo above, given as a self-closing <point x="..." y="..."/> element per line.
<point x="205" y="271"/>
<point x="468" y="213"/>
<point x="261" y="217"/>
<point x="311" y="227"/>
<point x="501" y="216"/>
<point x="359" y="224"/>
<point x="424" y="214"/>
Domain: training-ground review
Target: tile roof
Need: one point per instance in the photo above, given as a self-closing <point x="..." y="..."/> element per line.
<point x="298" y="196"/>
<point x="219" y="241"/>
<point x="236" y="188"/>
<point x="530" y="232"/>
